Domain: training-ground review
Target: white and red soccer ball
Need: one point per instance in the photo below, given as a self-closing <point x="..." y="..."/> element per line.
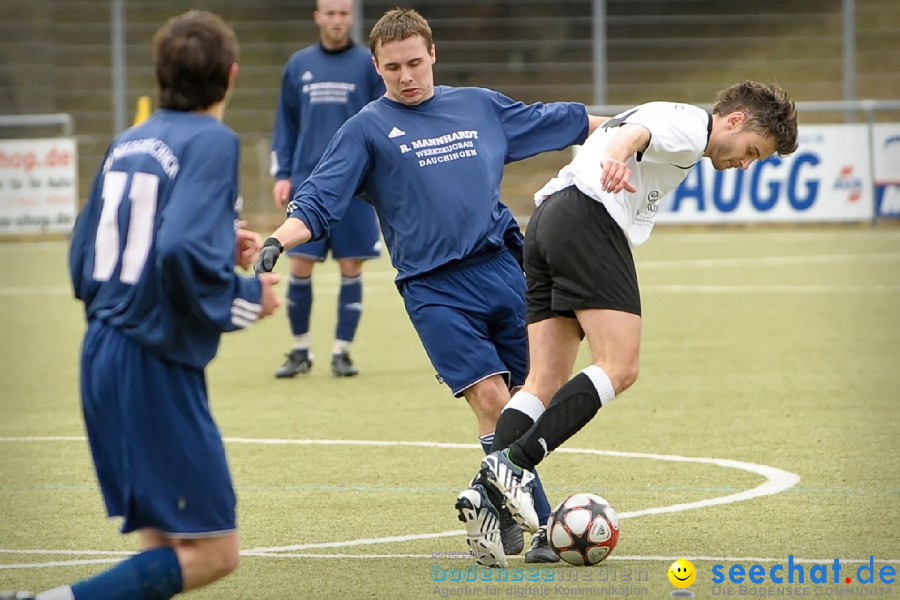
<point x="583" y="529"/>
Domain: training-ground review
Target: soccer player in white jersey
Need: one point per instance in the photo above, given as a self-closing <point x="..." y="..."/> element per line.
<point x="579" y="267"/>
<point x="430" y="159"/>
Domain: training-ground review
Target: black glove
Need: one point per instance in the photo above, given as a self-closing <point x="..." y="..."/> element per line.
<point x="268" y="255"/>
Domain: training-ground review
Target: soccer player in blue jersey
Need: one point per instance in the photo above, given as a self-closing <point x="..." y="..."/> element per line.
<point x="152" y="257"/>
<point x="430" y="159"/>
<point x="324" y="85"/>
<point x="581" y="276"/>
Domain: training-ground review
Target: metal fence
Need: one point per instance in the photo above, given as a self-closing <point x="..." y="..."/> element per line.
<point x="68" y="56"/>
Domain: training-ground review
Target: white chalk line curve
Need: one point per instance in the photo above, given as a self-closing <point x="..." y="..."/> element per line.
<point x="777" y="480"/>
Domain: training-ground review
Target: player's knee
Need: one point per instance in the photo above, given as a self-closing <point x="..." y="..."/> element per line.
<point x="621" y="375"/>
<point x="488" y="398"/>
<point x="223" y="563"/>
<point x="492" y="405"/>
<point x="626" y="377"/>
<point x="351" y="267"/>
<point x="545" y="385"/>
<point x="301" y="268"/>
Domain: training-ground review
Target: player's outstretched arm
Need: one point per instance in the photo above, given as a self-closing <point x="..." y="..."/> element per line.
<point x="289" y="234"/>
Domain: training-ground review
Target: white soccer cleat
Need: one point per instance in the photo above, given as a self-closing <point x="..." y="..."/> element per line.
<point x="515" y="484"/>
<point x="482" y="521"/>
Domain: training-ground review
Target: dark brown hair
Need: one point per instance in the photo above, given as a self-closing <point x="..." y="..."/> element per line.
<point x="192" y="55"/>
<point x="769" y="109"/>
<point x="398" y="24"/>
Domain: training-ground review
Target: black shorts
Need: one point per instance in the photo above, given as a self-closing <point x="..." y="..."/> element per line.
<point x="577" y="257"/>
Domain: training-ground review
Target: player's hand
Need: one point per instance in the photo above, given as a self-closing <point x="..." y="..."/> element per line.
<point x="270" y="299"/>
<point x="281" y="193"/>
<point x="615" y="176"/>
<point x="268" y="255"/>
<point x="246" y="247"/>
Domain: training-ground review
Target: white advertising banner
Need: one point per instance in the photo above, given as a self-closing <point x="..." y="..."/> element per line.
<point x="38" y="185"/>
<point x="826" y="179"/>
<point x="886" y="166"/>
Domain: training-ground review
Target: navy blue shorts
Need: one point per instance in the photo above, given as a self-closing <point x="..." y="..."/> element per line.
<point x="356" y="235"/>
<point x="159" y="456"/>
<point x="471" y="320"/>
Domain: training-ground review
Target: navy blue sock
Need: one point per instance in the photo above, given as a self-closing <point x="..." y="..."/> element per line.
<point x="541" y="502"/>
<point x="486" y="441"/>
<point x="151" y="575"/>
<point x="349" y="308"/>
<point x="299" y="304"/>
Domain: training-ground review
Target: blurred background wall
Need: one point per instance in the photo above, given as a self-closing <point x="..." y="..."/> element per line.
<point x="56" y="56"/>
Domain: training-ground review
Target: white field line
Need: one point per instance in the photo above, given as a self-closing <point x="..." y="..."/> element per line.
<point x="721" y="559"/>
<point x="62" y="563"/>
<point x="772" y="289"/>
<point x="328" y="282"/>
<point x="44" y="291"/>
<point x="768" y="261"/>
<point x="777" y="480"/>
<point x="717" y="559"/>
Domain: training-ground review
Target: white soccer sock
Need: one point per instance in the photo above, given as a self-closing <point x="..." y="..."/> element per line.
<point x="525" y="403"/>
<point x="63" y="592"/>
<point x="602" y="383"/>
<point x="341" y="347"/>
<point x="301" y="342"/>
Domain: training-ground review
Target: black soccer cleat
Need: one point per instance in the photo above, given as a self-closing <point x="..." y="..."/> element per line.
<point x="298" y="361"/>
<point x="510" y="534"/>
<point x="342" y="366"/>
<point x="540" y="551"/>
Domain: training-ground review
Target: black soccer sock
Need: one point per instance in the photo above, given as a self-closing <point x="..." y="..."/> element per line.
<point x="517" y="417"/>
<point x="571" y="408"/>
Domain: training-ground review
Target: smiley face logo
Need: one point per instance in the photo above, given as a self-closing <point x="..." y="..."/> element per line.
<point x="682" y="573"/>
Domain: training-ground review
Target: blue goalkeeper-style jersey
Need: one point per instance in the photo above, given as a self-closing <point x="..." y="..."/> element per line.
<point x="153" y="251"/>
<point x="320" y="89"/>
<point x="433" y="171"/>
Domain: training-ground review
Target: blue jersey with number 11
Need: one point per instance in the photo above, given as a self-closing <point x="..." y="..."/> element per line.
<point x="152" y="253"/>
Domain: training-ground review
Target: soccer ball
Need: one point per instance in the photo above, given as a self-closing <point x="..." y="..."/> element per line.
<point x="584" y="529"/>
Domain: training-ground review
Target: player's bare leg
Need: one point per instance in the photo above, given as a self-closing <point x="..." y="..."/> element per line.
<point x="614" y="337"/>
<point x="487" y="398"/>
<point x="552" y="347"/>
<point x="202" y="560"/>
<point x="615" y="340"/>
